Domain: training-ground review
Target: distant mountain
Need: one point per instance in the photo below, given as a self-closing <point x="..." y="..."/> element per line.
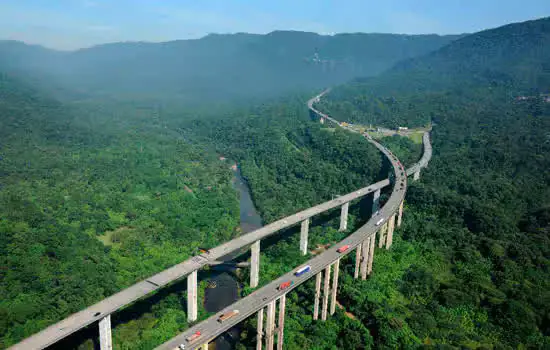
<point x="217" y="66"/>
<point x="517" y="54"/>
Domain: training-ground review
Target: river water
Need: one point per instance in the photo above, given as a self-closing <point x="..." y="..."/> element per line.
<point x="223" y="288"/>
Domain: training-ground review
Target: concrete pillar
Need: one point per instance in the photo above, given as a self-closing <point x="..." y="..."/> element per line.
<point x="364" y="258"/>
<point x="260" y="329"/>
<point x="281" y="325"/>
<point x="400" y="214"/>
<point x="334" y="287"/>
<point x="270" y="326"/>
<point x="192" y="296"/>
<point x="371" y="253"/>
<point x="376" y="201"/>
<point x="204" y="346"/>
<point x="303" y="236"/>
<point x="383" y="231"/>
<point x="105" y="338"/>
<point x="317" y="296"/>
<point x="344" y="217"/>
<point x="325" y="293"/>
<point x="254" y="264"/>
<point x="389" y="238"/>
<point x="357" y="261"/>
<point x="322" y="120"/>
<point x="416" y="175"/>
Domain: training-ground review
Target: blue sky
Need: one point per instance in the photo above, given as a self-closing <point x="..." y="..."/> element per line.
<point x="70" y="24"/>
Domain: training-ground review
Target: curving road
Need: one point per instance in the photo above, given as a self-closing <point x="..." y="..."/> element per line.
<point x="211" y="328"/>
<point x="256" y="300"/>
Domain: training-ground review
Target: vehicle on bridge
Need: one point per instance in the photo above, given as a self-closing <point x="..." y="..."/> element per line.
<point x="343" y="249"/>
<point x="228" y="315"/>
<point x="194" y="336"/>
<point x="379" y="222"/>
<point x="285" y="285"/>
<point x="302" y="270"/>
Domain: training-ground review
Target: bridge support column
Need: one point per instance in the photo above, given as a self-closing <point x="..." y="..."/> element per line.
<point x="344" y="217"/>
<point x="317" y="296"/>
<point x="382" y="239"/>
<point x="192" y="296"/>
<point x="270" y="326"/>
<point x="364" y="258"/>
<point x="334" y="286"/>
<point x="416" y="175"/>
<point x="254" y="264"/>
<point x="389" y="238"/>
<point x="105" y="338"/>
<point x="322" y="120"/>
<point x="303" y="236"/>
<point x="375" y="201"/>
<point x="281" y="325"/>
<point x="204" y="347"/>
<point x="260" y="329"/>
<point x="371" y="253"/>
<point x="357" y="261"/>
<point x="325" y="293"/>
<point x="399" y="217"/>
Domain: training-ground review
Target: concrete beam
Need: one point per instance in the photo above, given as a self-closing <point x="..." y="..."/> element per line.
<point x="382" y="239"/>
<point x="270" y="326"/>
<point x="391" y="225"/>
<point x="416" y="175"/>
<point x="371" y="253"/>
<point x="254" y="264"/>
<point x="260" y="329"/>
<point x="325" y="293"/>
<point x="192" y="296"/>
<point x="281" y="325"/>
<point x="334" y="287"/>
<point x="357" y="261"/>
<point x="344" y="217"/>
<point x="303" y="236"/>
<point x="105" y="337"/>
<point x="229" y="263"/>
<point x="317" y="296"/>
<point x="399" y="217"/>
<point x="376" y="201"/>
<point x="364" y="258"/>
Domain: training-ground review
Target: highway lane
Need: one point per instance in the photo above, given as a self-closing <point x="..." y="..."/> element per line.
<point x="109" y="305"/>
<point x="211" y="328"/>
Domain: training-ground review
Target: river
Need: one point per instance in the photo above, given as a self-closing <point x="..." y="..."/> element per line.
<point x="223" y="288"/>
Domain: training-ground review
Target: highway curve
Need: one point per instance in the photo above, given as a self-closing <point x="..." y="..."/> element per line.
<point x="249" y="305"/>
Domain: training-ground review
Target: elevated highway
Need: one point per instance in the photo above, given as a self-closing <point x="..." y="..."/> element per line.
<point x="210" y="328"/>
<point x="267" y="295"/>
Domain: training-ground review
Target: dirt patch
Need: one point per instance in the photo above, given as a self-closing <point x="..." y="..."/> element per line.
<point x="187" y="189"/>
<point x="348" y="314"/>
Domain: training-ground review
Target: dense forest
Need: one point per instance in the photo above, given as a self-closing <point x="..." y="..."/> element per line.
<point x="469" y="268"/>
<point x="90" y="206"/>
<point x="97" y="193"/>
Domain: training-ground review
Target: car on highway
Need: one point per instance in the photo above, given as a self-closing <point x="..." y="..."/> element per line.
<point x="228" y="315"/>
<point x="302" y="270"/>
<point x="285" y="285"/>
<point x="193" y="336"/>
<point x="343" y="249"/>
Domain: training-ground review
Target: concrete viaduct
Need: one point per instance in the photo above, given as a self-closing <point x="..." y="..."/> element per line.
<point x="265" y="299"/>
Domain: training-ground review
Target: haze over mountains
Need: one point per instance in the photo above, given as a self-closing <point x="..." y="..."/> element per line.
<point x="216" y="66"/>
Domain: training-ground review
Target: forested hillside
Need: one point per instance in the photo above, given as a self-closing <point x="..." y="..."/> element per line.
<point x="222" y="67"/>
<point x="89" y="206"/>
<point x="470" y="267"/>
